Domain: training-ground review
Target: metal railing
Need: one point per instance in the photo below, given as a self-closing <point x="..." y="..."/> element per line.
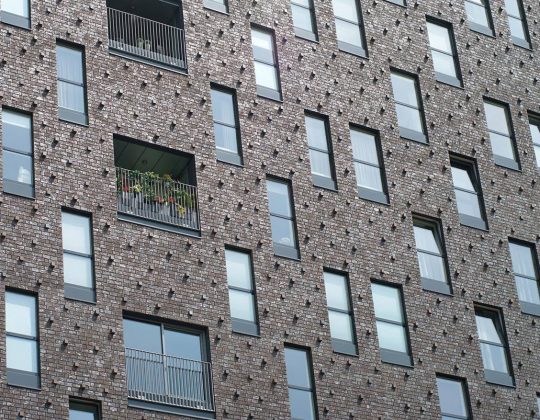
<point x="169" y="380"/>
<point x="159" y="199"/>
<point x="146" y="38"/>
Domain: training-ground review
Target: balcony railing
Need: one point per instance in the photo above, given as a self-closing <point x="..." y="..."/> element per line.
<point x="146" y="195"/>
<point x="157" y="378"/>
<point x="146" y="38"/>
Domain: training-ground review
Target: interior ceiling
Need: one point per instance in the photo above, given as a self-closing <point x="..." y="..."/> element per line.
<point x="166" y="12"/>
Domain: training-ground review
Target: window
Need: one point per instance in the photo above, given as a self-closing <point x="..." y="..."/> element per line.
<point x="241" y="292"/>
<point x="320" y="151"/>
<point x="517" y="23"/>
<point x="367" y="157"/>
<point x="22" y="345"/>
<point x="525" y="267"/>
<point x="18" y="153"/>
<point x="78" y="257"/>
<point x="266" y="70"/>
<point x="226" y="130"/>
<point x="493" y="346"/>
<point x="218" y="5"/>
<point x="282" y="218"/>
<point x="83" y="410"/>
<point x="391" y="324"/>
<point x="303" y="15"/>
<point x="453" y="398"/>
<point x="71" y="84"/>
<point x="534" y="126"/>
<point x="479" y="16"/>
<point x="431" y="255"/>
<point x="443" y="52"/>
<point x="408" y="107"/>
<point x="349" y="27"/>
<point x="340" y="315"/>
<point x="15" y="12"/>
<point x="501" y="134"/>
<point x="468" y="192"/>
<point x="300" y="383"/>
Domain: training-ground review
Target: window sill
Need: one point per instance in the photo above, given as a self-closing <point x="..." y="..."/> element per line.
<point x="73" y="117"/>
<point x="499" y="378"/>
<point x="15" y="20"/>
<point x="372" y="195"/>
<point x="506" y="163"/>
<point x="19" y="189"/>
<point x="521" y="43"/>
<point x="484" y="30"/>
<point x="397" y="3"/>
<point x="530" y="308"/>
<point x="352" y="49"/>
<point x="228" y="157"/>
<point x="79" y="293"/>
<point x="240" y="326"/>
<point x="448" y="80"/>
<point x="306" y="35"/>
<point x="271" y="94"/>
<point x="415" y="136"/>
<point x="323" y="182"/>
<point x="473" y="222"/>
<point x="344" y="347"/>
<point x="436" y="286"/>
<point x="22" y="379"/>
<point x="215" y="7"/>
<point x="286" y="252"/>
<point x="396" y="358"/>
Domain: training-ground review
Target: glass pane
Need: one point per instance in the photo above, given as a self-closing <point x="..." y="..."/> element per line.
<point x="316" y="132"/>
<point x="223" y="107"/>
<point x="368" y="176"/>
<point x="17" y="7"/>
<point x="21" y="314"/>
<point x="69" y="64"/>
<point x="75" y="414"/>
<point x="341" y="326"/>
<point x="337" y="293"/>
<point x="392" y="337"/>
<point x="496" y="117"/>
<point x="78" y="270"/>
<point x="512" y="7"/>
<point x="425" y="239"/>
<point x="451" y="397"/>
<point x="502" y="146"/>
<point x="320" y="163"/>
<point x="18" y="167"/>
<point x="226" y="138"/>
<point x="76" y="233"/>
<point x="182" y="344"/>
<point x="278" y="198"/>
<point x="432" y="267"/>
<point x="21" y="354"/>
<point x="468" y="204"/>
<point x="242" y="305"/>
<point x="527" y="290"/>
<point x="298" y="371"/>
<point x="17" y="131"/>
<point x="522" y="259"/>
<point x="238" y="269"/>
<point x="439" y="37"/>
<point x="476" y="14"/>
<point x="364" y="147"/>
<point x="444" y="63"/>
<point x="409" y="118"/>
<point x="349" y="33"/>
<point x="404" y="89"/>
<point x="387" y="302"/>
<point x="301" y="404"/>
<point x="266" y="76"/>
<point x="142" y="336"/>
<point x="537" y="154"/>
<point x="262" y="39"/>
<point x="71" y="96"/>
<point x="494" y="357"/>
<point x="516" y="28"/>
<point x="345" y="9"/>
<point x="302" y="18"/>
<point x="487" y="330"/>
<point x="535" y="132"/>
<point x="283" y="231"/>
<point x="462" y="179"/>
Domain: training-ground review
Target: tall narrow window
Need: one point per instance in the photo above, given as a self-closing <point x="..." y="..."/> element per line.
<point x="266" y="70"/>
<point x="468" y="193"/>
<point x="78" y="257"/>
<point x="408" y="107"/>
<point x="494" y="347"/>
<point x="431" y="255"/>
<point x="479" y="16"/>
<point x="300" y="383"/>
<point x="320" y="151"/>
<point x="443" y="52"/>
<point x="340" y="314"/>
<point x="303" y="15"/>
<point x="15" y="12"/>
<point x="349" y="27"/>
<point x="391" y="324"/>
<point x="241" y="292"/>
<point x="453" y="398"/>
<point x="71" y="84"/>
<point x="18" y="153"/>
<point x="22" y="346"/>
<point x="370" y="178"/>
<point x="525" y="267"/>
<point x="226" y="132"/>
<point x="282" y="218"/>
<point x="219" y="5"/>
<point x="83" y="410"/>
<point x="501" y="134"/>
<point x="517" y="23"/>
<point x="534" y="126"/>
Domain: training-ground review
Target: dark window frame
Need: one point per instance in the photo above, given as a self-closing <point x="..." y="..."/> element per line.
<point x="360" y="51"/>
<point x="217" y="6"/>
<point x="302" y="33"/>
<point x="485" y="30"/>
<point x="262" y="91"/>
<point x="534" y="119"/>
<point x="523" y="43"/>
<point x="465" y="391"/>
<point x="319" y="181"/>
<point x="89" y="406"/>
<point x="527" y="307"/>
<point x="17" y="20"/>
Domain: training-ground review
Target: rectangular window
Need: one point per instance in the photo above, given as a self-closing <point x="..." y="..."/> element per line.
<point x="226" y="127"/>
<point x="300" y="383"/>
<point x="479" y="16"/>
<point x="266" y="69"/>
<point x="493" y="346"/>
<point x="15" y="12"/>
<point x="391" y="324"/>
<point x="241" y="292"/>
<point x="468" y="192"/>
<point x="282" y="218"/>
<point x="340" y="315"/>
<point x="18" y="153"/>
<point x="443" y="52"/>
<point x="409" y="111"/>
<point x="71" y="83"/>
<point x="525" y="267"/>
<point x="431" y="255"/>
<point x="501" y="134"/>
<point x="349" y="30"/>
<point x="303" y="16"/>
<point x="22" y="345"/>
<point x="367" y="156"/>
<point x="517" y="23"/>
<point x="534" y="127"/>
<point x="78" y="257"/>
<point x="453" y="398"/>
<point x="83" y="410"/>
<point x="320" y="151"/>
<point x="218" y="5"/>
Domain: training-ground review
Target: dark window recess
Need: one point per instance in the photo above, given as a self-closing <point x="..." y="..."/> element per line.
<point x="517" y="23"/>
<point x="218" y="5"/>
<point x="226" y="125"/>
<point x="479" y="16"/>
<point x="349" y="27"/>
<point x="320" y="151"/>
<point x="16" y="13"/>
<point x="501" y="134"/>
<point x="534" y="127"/>
<point x="83" y="410"/>
<point x="453" y="398"/>
<point x="525" y="267"/>
<point x="71" y="83"/>
<point x="17" y="153"/>
<point x="302" y="401"/>
<point x="265" y="60"/>
<point x="303" y="16"/>
<point x="409" y="111"/>
<point x="443" y="52"/>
